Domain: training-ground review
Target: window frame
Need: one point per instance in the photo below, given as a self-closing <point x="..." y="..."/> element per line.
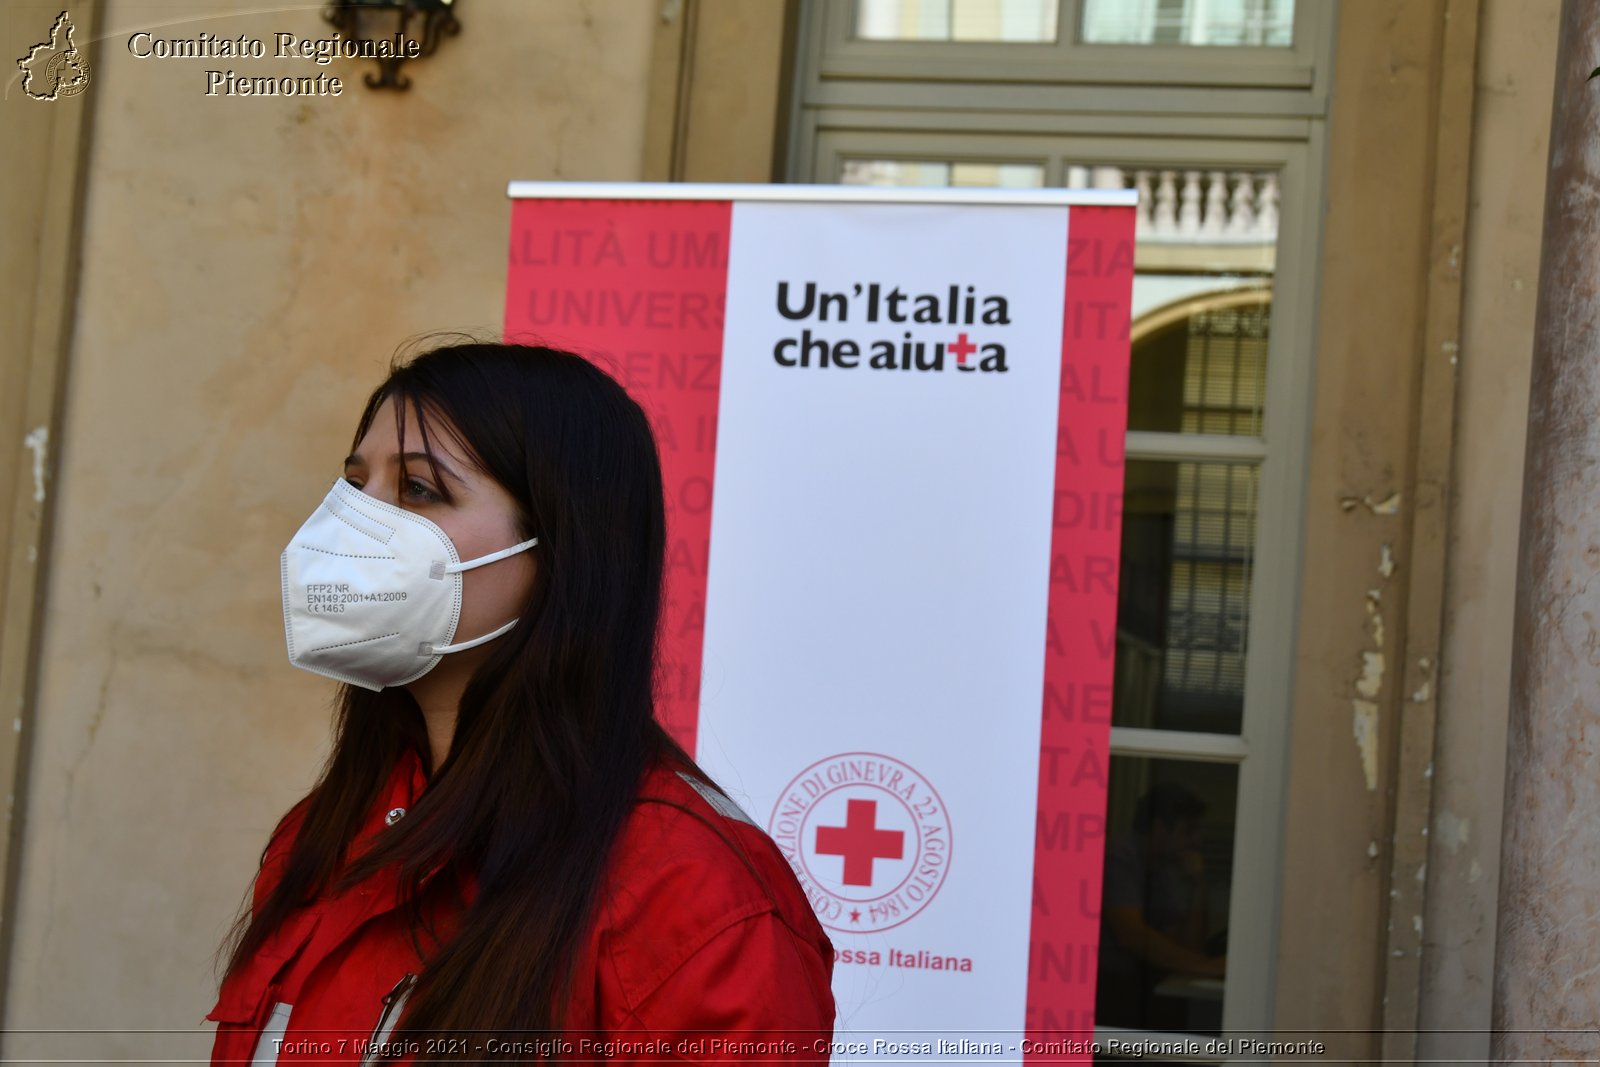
<point x="839" y="54"/>
<point x="1131" y="107"/>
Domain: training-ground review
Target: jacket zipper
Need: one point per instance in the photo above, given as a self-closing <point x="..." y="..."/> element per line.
<point x="391" y="1006"/>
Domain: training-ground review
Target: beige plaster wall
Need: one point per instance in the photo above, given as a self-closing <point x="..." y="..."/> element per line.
<point x="249" y="265"/>
<point x="733" y="94"/>
<point x="1351" y="712"/>
<point x="1515" y="80"/>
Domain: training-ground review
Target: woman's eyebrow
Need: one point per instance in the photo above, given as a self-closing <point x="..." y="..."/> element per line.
<point x="355" y="459"/>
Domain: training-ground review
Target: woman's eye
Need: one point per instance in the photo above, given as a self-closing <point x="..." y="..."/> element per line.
<point x="416" y="490"/>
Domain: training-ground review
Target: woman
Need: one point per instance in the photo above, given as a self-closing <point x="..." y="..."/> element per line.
<point x="506" y="857"/>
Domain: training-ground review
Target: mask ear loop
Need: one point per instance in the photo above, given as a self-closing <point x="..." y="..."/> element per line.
<point x="425" y="649"/>
<point x="441" y="569"/>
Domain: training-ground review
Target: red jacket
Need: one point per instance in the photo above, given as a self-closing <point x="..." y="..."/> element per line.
<point x="686" y="940"/>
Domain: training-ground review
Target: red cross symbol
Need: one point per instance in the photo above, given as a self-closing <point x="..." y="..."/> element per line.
<point x="962" y="349"/>
<point x="860" y="842"/>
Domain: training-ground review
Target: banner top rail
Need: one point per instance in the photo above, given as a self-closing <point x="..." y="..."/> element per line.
<point x="835" y="194"/>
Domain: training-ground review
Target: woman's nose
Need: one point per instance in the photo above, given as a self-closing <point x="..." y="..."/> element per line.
<point x="379" y="489"/>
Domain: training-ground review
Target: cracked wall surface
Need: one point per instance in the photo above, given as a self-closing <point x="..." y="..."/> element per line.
<point x="1365" y="850"/>
<point x="1515" y="86"/>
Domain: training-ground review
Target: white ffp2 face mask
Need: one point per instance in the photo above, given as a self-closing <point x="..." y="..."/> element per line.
<point x="372" y="592"/>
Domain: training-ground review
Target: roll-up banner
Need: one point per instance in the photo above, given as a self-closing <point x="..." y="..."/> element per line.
<point x="891" y="425"/>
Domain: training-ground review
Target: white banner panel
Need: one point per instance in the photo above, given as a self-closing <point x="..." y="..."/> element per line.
<point x="877" y="587"/>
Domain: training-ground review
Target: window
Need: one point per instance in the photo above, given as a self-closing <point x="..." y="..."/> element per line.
<point x="1031" y="44"/>
<point x="1159" y="22"/>
<point x="1215" y="111"/>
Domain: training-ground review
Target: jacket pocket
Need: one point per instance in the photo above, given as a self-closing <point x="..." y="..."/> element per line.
<point x="240" y="1026"/>
<point x="242" y="997"/>
<point x="243" y="1003"/>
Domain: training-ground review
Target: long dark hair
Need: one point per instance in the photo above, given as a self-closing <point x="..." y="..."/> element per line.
<point x="555" y="728"/>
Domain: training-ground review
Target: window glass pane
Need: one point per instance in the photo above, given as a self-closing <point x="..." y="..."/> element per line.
<point x="956" y="20"/>
<point x="900" y="172"/>
<point x="1203" y="367"/>
<point x="1183" y="596"/>
<point x="1207" y="245"/>
<point x="1164" y="899"/>
<point x="1247" y="23"/>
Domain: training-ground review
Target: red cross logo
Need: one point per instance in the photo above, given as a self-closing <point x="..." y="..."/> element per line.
<point x="962" y="349"/>
<point x="859" y="840"/>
